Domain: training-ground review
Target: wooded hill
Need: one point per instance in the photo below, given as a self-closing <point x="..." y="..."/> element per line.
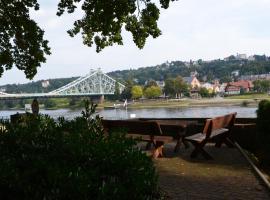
<point x="207" y="71"/>
<point x="36" y="86"/>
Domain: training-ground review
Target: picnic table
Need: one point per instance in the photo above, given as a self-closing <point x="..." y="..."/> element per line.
<point x="176" y="128"/>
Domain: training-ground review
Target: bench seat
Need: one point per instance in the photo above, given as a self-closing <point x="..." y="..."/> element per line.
<point x="218" y="129"/>
<point x="200" y="136"/>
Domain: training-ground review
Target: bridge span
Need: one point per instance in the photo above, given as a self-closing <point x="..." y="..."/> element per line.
<point x="94" y="84"/>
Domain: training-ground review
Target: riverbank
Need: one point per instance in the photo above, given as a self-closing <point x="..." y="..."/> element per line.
<point x="249" y="100"/>
<point x="173" y="103"/>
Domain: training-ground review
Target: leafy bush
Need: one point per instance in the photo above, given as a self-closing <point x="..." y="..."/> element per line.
<point x="49" y="103"/>
<point x="46" y="159"/>
<point x="263" y="124"/>
<point x="244" y="103"/>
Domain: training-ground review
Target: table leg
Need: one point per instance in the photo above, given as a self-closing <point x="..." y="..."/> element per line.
<point x="177" y="146"/>
<point x="158" y="151"/>
<point x="186" y="144"/>
<point x="181" y="139"/>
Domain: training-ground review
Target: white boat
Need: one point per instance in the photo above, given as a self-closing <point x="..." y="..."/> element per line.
<point x="27" y="108"/>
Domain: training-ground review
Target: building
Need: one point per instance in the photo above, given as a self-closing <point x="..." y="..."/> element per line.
<point x="241" y="56"/>
<point x="222" y="87"/>
<point x="192" y="80"/>
<point x="208" y="86"/>
<point x="251" y="58"/>
<point x="232" y="89"/>
<point x="45" y="83"/>
<point x="235" y="73"/>
<point x="161" y="84"/>
<point x="2" y="90"/>
<point x="235" y="87"/>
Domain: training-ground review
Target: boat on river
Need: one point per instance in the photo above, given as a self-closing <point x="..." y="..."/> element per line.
<point x="118" y="106"/>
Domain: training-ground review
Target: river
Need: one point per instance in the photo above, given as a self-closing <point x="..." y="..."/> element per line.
<point x="186" y="112"/>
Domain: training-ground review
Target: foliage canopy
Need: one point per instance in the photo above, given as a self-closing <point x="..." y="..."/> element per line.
<point x="263" y="132"/>
<point x="136" y="92"/>
<point x="21" y="39"/>
<point x="103" y="21"/>
<point x="152" y="92"/>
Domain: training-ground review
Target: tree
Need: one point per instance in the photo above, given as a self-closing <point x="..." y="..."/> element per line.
<point x="262" y="85"/>
<point x="117" y="91"/>
<point x="179" y="85"/>
<point x="136" y="92"/>
<point x="21" y="39"/>
<point x="225" y="79"/>
<point x="72" y="101"/>
<point x="242" y="91"/>
<point x="150" y="83"/>
<point x="204" y="92"/>
<point x="49" y="103"/>
<point x="152" y="92"/>
<point x="126" y="94"/>
<point x="103" y="21"/>
<point x="260" y="57"/>
<point x="169" y="87"/>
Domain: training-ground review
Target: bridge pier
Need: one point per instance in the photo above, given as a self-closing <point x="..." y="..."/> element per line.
<point x="101" y="99"/>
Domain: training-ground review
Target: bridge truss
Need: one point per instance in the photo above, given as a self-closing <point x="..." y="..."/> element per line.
<point x="96" y="83"/>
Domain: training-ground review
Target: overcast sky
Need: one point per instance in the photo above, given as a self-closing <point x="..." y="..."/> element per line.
<point x="191" y="29"/>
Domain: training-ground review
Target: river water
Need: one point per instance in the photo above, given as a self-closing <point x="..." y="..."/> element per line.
<point x="186" y="112"/>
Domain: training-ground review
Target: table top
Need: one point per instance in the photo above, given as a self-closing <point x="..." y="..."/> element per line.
<point x="180" y="123"/>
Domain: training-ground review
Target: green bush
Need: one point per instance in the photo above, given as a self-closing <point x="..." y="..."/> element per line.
<point x="244" y="103"/>
<point x="263" y="125"/>
<point x="46" y="159"/>
<point x="49" y="103"/>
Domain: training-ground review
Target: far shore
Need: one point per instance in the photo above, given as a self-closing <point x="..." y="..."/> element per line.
<point x="172" y="103"/>
<point x="249" y="100"/>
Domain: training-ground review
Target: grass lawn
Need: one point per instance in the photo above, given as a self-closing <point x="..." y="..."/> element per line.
<point x="249" y="96"/>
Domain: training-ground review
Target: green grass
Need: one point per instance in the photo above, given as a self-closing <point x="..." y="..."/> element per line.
<point x="249" y="96"/>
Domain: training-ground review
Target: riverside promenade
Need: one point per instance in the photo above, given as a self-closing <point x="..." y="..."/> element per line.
<point x="228" y="176"/>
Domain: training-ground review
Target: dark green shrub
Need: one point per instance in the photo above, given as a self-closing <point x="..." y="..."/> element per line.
<point x="46" y="159"/>
<point x="204" y="92"/>
<point x="244" y="103"/>
<point x="263" y="125"/>
<point x="49" y="103"/>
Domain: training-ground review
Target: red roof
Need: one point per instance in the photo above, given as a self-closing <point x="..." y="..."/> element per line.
<point x="242" y="83"/>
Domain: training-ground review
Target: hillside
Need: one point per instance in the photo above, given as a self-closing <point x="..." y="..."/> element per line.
<point x="36" y="87"/>
<point x="207" y="71"/>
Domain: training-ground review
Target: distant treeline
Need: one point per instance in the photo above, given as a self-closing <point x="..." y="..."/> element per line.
<point x="207" y="71"/>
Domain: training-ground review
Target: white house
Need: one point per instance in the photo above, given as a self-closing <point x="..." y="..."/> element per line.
<point x="45" y="83"/>
<point x="241" y="56"/>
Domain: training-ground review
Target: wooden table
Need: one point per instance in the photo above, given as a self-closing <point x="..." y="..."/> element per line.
<point x="177" y="129"/>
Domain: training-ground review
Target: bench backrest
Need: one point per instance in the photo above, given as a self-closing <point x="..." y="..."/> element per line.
<point x="225" y="121"/>
<point x="132" y="126"/>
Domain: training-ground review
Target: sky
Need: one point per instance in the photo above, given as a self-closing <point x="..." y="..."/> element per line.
<point x="191" y="29"/>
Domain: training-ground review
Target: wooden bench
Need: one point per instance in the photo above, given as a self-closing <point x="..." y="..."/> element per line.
<point x="148" y="131"/>
<point x="217" y="129"/>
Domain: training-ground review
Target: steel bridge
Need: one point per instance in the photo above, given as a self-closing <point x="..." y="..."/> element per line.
<point x="96" y="83"/>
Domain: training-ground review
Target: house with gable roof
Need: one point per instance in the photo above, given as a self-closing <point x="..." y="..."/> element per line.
<point x="192" y="81"/>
